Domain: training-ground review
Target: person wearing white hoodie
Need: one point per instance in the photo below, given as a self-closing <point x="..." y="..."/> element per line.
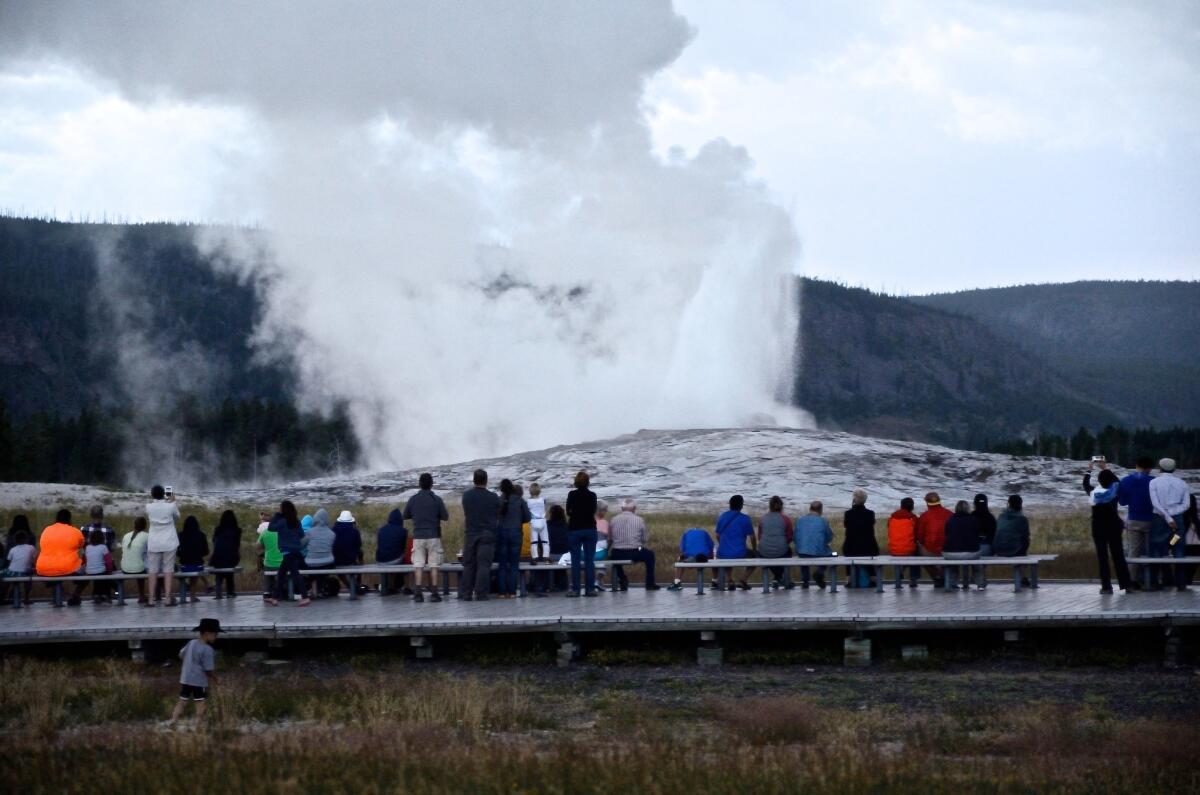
<point x="539" y="535"/>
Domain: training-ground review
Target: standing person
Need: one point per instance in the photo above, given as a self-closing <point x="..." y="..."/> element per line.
<point x="1012" y="531"/>
<point x="902" y="537"/>
<point x="226" y="551"/>
<point x="426" y="511"/>
<point x="1106" y="526"/>
<point x="133" y="554"/>
<point x="812" y="538"/>
<point x="97" y="516"/>
<point x="512" y="513"/>
<point x="582" y="536"/>
<point x="1192" y="540"/>
<point x="931" y="532"/>
<point x="286" y="526"/>
<point x="860" y="539"/>
<point x="1134" y="493"/>
<point x="161" y="514"/>
<point x="198" y="667"/>
<point x="481" y="508"/>
<point x="734" y="529"/>
<point x="961" y="543"/>
<point x="775" y="540"/>
<point x="1170" y="497"/>
<point x="629" y="537"/>
<point x="539" y="539"/>
<point x="193" y="547"/>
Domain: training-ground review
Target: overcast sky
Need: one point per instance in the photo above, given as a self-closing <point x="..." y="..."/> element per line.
<point x="918" y="147"/>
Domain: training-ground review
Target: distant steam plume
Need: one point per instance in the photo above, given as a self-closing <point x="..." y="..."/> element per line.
<point x="478" y="248"/>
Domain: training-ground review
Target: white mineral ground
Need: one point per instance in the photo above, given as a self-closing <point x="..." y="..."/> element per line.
<point x="676" y="470"/>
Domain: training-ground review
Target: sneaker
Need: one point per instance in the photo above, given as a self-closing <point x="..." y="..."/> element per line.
<point x="745" y="586"/>
<point x="913" y="584"/>
<point x="675" y="586"/>
<point x="418" y="597"/>
<point x="406" y="591"/>
<point x="74" y="601"/>
<point x="804" y="586"/>
<point x="591" y="593"/>
<point x="654" y="587"/>
<point x="434" y="596"/>
<point x="1106" y="589"/>
<point x="622" y="587"/>
<point x="466" y="597"/>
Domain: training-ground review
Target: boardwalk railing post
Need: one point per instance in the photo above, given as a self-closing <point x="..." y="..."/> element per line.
<point x="709" y="652"/>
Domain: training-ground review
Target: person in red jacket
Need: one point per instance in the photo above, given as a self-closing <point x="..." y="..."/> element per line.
<point x="902" y="537"/>
<point x="931" y="531"/>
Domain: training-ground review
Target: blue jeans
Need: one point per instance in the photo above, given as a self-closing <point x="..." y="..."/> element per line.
<point x="583" y="557"/>
<point x="508" y="556"/>
<point x="1160" y="547"/>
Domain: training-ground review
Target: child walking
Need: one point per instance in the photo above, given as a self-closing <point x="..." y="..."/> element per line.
<point x="197" y="669"/>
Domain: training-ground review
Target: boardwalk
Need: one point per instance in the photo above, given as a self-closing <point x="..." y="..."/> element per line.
<point x="1054" y="604"/>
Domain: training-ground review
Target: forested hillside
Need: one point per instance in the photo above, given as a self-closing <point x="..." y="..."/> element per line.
<point x="1135" y="346"/>
<point x="123" y="346"/>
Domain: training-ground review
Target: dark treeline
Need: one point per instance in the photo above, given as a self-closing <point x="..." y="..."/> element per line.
<point x="1119" y="445"/>
<point x="233" y="442"/>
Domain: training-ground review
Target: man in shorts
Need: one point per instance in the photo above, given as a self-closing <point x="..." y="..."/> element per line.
<point x="426" y="511"/>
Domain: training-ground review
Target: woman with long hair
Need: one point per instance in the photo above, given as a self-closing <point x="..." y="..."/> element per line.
<point x="513" y="513"/>
<point x="1107" y="526"/>
<point x="581" y="536"/>
<point x="226" y="552"/>
<point x="286" y="525"/>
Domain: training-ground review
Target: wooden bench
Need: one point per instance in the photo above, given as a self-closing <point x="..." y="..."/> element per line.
<point x="722" y="566"/>
<point x="1147" y="562"/>
<point x="877" y="563"/>
<point x="900" y="562"/>
<point x="446" y="569"/>
<point x="119" y="578"/>
<point x="351" y="573"/>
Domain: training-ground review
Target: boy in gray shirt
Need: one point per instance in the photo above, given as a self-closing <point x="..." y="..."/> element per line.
<point x="197" y="669"/>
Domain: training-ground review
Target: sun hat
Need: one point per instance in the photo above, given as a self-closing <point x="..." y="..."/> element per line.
<point x="1167" y="465"/>
<point x="208" y="625"/>
<point x="345" y="516"/>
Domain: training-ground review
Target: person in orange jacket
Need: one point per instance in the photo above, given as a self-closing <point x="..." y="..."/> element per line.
<point x="931" y="531"/>
<point x="902" y="536"/>
<point x="60" y="553"/>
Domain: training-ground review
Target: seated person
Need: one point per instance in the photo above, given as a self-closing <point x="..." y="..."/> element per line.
<point x="318" y="554"/>
<point x="391" y="547"/>
<point x="812" y="537"/>
<point x="61" y="552"/>
<point x="735" y="538"/>
<point x="629" y="542"/>
<point x="20" y="561"/>
<point x="961" y="542"/>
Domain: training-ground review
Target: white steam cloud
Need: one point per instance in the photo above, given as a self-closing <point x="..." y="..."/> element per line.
<point x="478" y="248"/>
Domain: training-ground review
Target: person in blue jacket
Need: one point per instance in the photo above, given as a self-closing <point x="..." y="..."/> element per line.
<point x="735" y="538"/>
<point x="812" y="537"/>
<point x="1133" y="492"/>
<point x="695" y="546"/>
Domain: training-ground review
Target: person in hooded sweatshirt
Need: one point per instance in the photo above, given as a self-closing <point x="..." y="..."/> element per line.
<point x="902" y="537"/>
<point x="319" y="552"/>
<point x="347" y="544"/>
<point x="391" y="544"/>
<point x="961" y="542"/>
<point x="1107" y="526"/>
<point x="860" y="538"/>
<point x="226" y="551"/>
<point x="286" y="525"/>
<point x="1012" y="531"/>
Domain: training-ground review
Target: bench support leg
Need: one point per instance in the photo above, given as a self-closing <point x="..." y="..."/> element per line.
<point x="1016" y="579"/>
<point x="568" y="649"/>
<point x="1033" y="576"/>
<point x="856" y="651"/>
<point x="121" y="592"/>
<point x="766" y="572"/>
<point x="709" y="652"/>
<point x="423" y="647"/>
<point x="879" y="579"/>
<point x="832" y="578"/>
<point x="58" y="594"/>
<point x="700" y="575"/>
<point x="899" y="572"/>
<point x="353" y="586"/>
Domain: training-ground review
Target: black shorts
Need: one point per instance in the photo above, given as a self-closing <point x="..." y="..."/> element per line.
<point x="192" y="693"/>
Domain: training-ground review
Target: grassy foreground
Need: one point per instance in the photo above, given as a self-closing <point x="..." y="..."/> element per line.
<point x="376" y="724"/>
<point x="1067" y="535"/>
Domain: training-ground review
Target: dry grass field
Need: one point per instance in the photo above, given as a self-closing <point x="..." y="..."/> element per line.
<point x="372" y="723"/>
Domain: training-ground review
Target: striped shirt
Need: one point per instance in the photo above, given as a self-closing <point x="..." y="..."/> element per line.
<point x="627" y="531"/>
